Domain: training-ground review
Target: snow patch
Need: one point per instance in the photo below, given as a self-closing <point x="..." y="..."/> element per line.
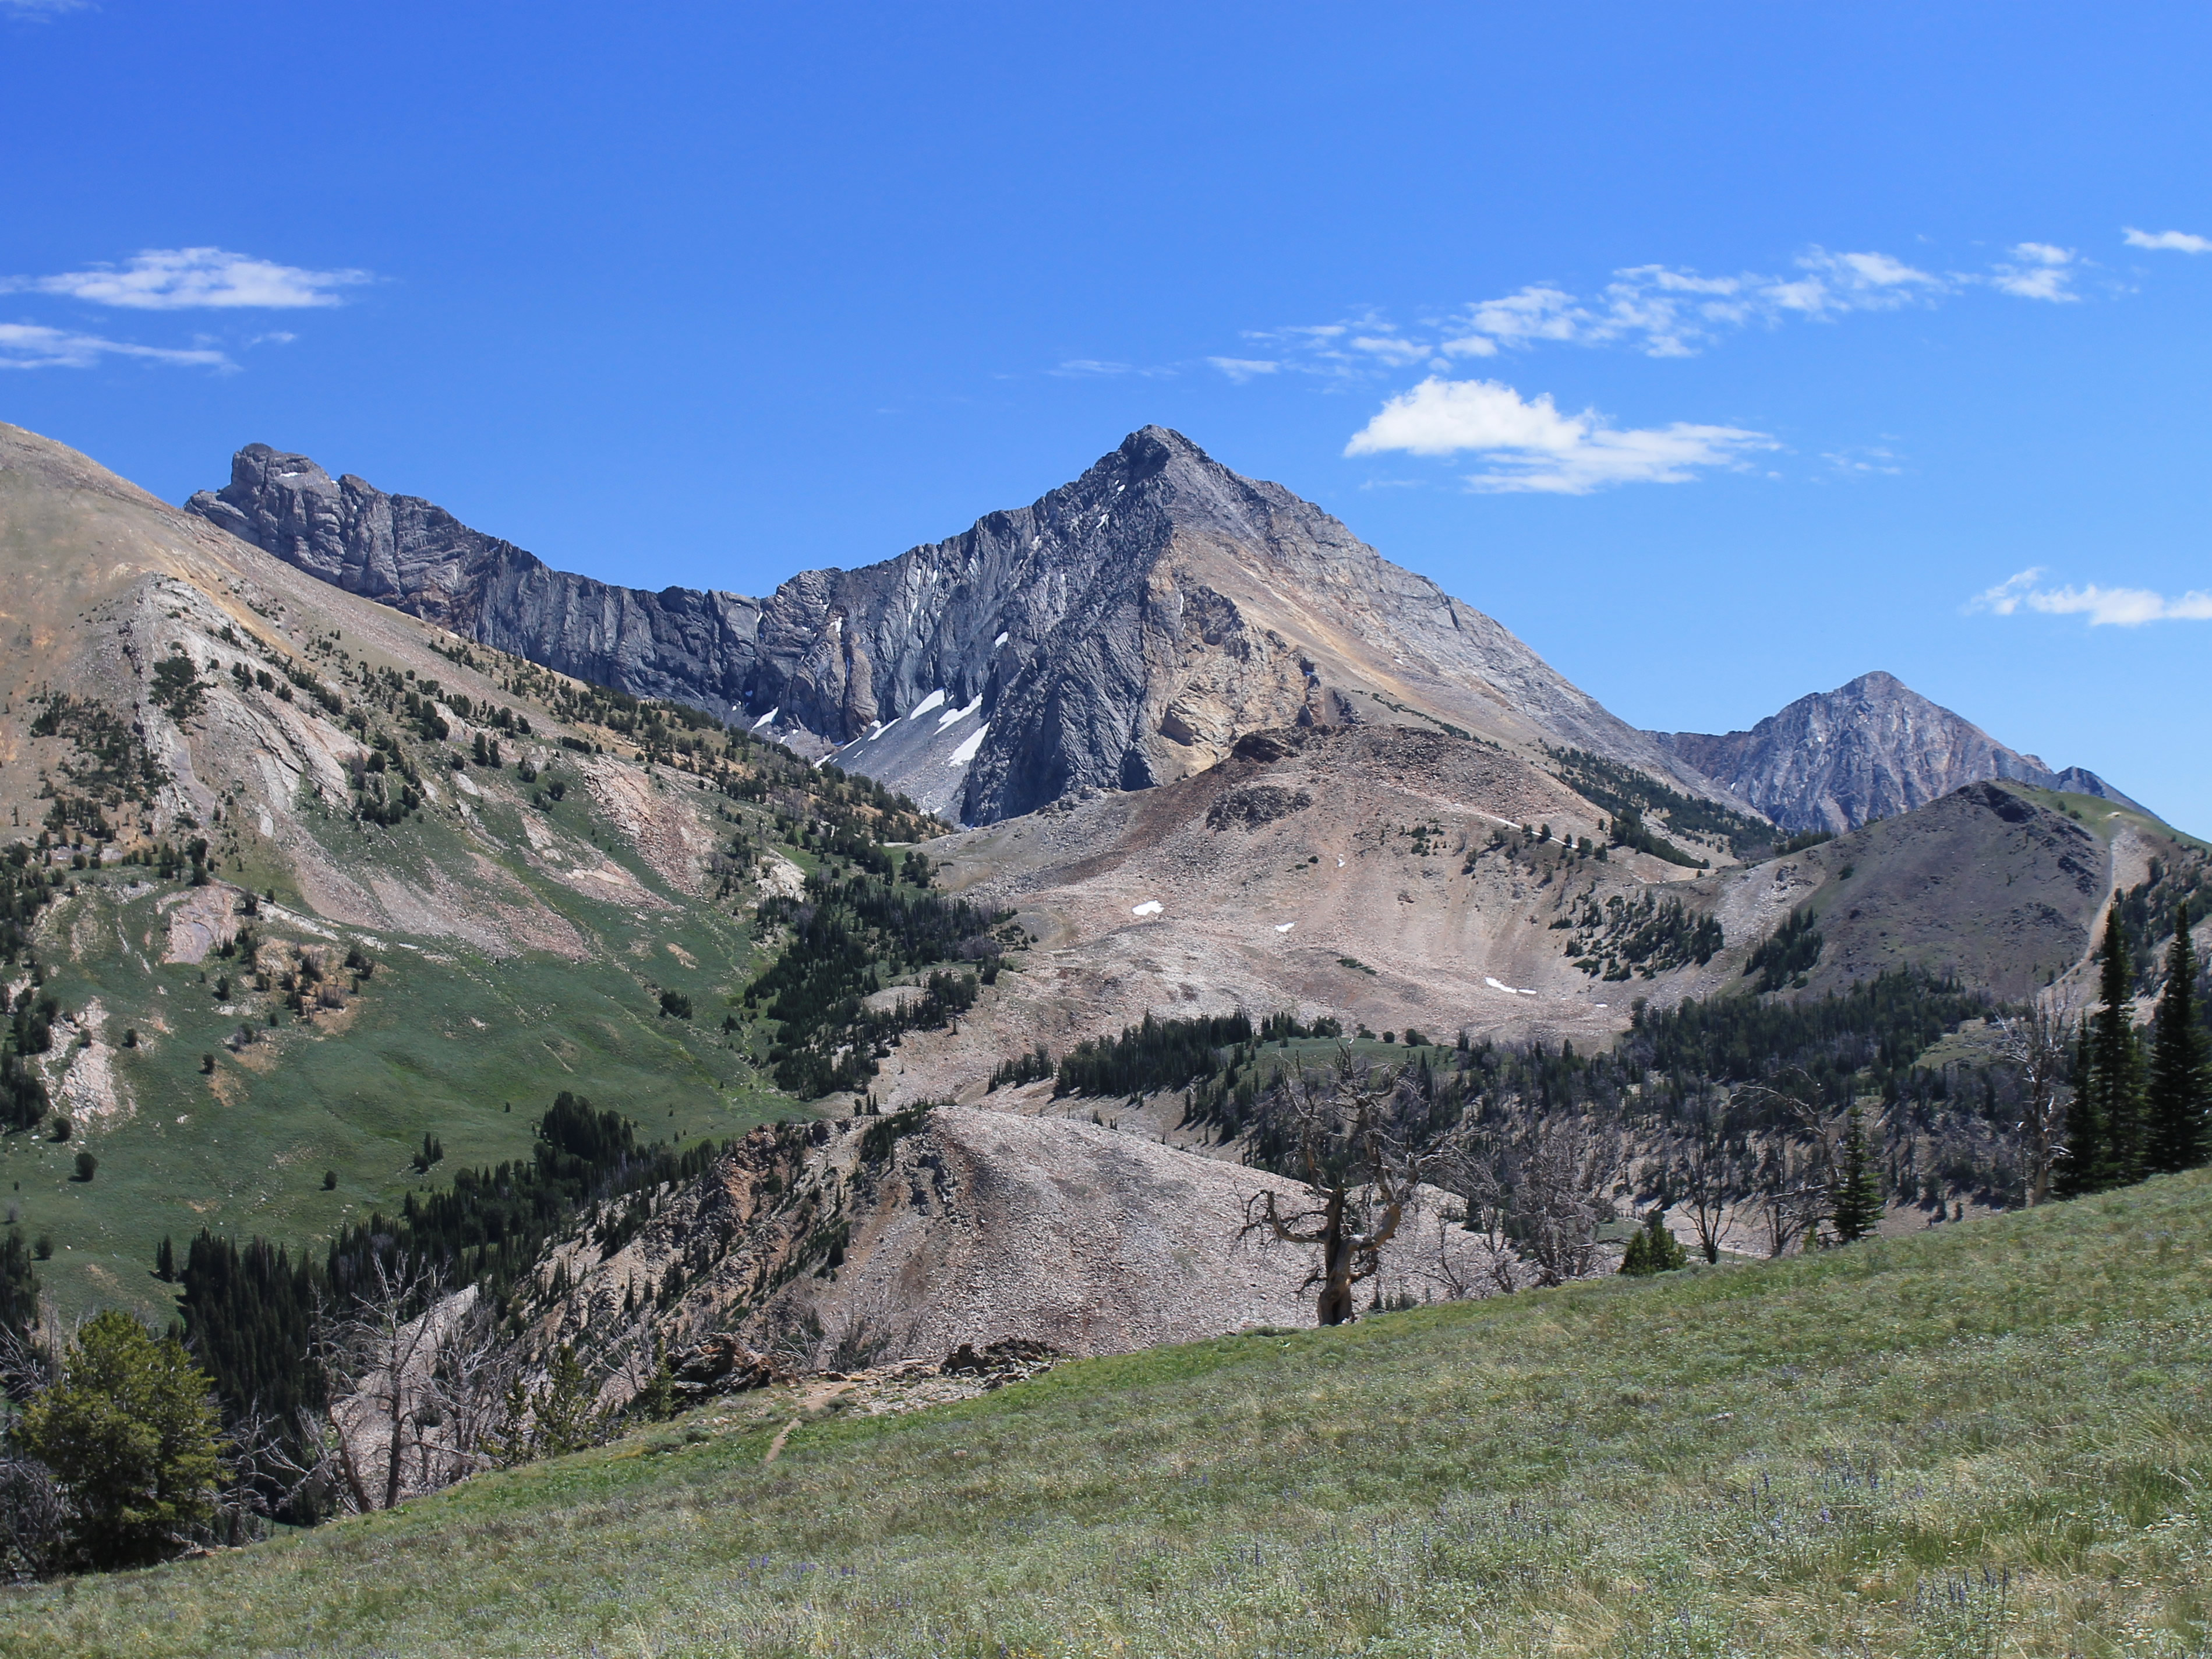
<point x="996" y="643"/>
<point x="952" y="715"/>
<point x="934" y="700"/>
<point x="1509" y="990"/>
<point x="1149" y="908"/>
<point x="766" y="718"/>
<point x="966" y="751"/>
<point x="1285" y="926"/>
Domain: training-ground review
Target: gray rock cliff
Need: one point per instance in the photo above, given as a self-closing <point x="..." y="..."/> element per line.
<point x="1868" y="750"/>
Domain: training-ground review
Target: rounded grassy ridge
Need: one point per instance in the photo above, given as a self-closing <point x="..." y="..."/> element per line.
<point x="1989" y="1438"/>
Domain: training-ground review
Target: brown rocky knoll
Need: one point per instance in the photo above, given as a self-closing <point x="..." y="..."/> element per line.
<point x="889" y="1238"/>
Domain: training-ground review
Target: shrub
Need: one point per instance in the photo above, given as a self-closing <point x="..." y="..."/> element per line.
<point x="330" y="1180"/>
<point x="675" y="1005"/>
<point x="87" y="1166"/>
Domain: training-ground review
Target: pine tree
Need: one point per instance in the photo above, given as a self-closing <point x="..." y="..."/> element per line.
<point x="19" y="1287"/>
<point x="2177" y="1104"/>
<point x="2082" y="1167"/>
<point x="2116" y="1059"/>
<point x="1653" y="1248"/>
<point x="1858" y="1203"/>
<point x="1636" y="1260"/>
<point x="131" y="1431"/>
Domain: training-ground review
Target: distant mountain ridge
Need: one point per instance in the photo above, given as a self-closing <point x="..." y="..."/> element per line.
<point x="1122" y="630"/>
<point x="1871" y="749"/>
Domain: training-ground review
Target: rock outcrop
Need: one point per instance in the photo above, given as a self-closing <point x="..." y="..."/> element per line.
<point x="1123" y="630"/>
<point x="1868" y="750"/>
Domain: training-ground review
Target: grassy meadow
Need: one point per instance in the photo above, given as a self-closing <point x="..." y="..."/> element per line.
<point x="443" y="1039"/>
<point x="1989" y="1438"/>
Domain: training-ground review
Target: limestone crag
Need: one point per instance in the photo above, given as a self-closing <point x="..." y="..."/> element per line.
<point x="1123" y="630"/>
<point x="1868" y="750"/>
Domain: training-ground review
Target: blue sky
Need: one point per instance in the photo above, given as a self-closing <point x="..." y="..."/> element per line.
<point x="1723" y="352"/>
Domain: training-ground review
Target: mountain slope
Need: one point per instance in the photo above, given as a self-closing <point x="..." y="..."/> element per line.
<point x="1868" y="750"/>
<point x="1121" y="631"/>
<point x="292" y="918"/>
<point x="1983" y="1438"/>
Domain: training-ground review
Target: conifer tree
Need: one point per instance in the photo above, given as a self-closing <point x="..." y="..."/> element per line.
<point x="1653" y="1249"/>
<point x="2082" y="1167"/>
<point x="1636" y="1260"/>
<point x="2116" y="1059"/>
<point x="130" y="1431"/>
<point x="1858" y="1203"/>
<point x="2177" y="1104"/>
<point x="19" y="1287"/>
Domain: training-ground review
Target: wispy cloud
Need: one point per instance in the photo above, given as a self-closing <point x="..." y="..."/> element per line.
<point x="1661" y="310"/>
<point x="1093" y="368"/>
<point x="41" y="11"/>
<point x="2037" y="271"/>
<point x="2123" y="607"/>
<point x="1240" y="369"/>
<point x="2170" y="241"/>
<point x="1531" y="447"/>
<point x="24" y="345"/>
<point x="189" y="278"/>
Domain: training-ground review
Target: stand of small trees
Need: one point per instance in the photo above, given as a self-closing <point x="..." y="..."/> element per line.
<point x="2134" y="1115"/>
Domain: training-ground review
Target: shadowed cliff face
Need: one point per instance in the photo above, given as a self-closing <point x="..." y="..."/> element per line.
<point x="1123" y="630"/>
<point x="1869" y="749"/>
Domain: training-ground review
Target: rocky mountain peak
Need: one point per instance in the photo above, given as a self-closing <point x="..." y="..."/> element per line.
<point x="1122" y="630"/>
<point x="1870" y="749"/>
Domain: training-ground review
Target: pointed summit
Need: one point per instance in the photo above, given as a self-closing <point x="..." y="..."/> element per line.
<point x="1870" y="749"/>
<point x="1126" y="628"/>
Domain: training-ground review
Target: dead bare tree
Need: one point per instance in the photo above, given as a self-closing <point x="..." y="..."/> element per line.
<point x="1542" y="1188"/>
<point x="1707" y="1172"/>
<point x="2039" y="1044"/>
<point x="1350" y="1137"/>
<point x="412" y="1371"/>
<point x="1793" y="1196"/>
<point x="1797" y="1172"/>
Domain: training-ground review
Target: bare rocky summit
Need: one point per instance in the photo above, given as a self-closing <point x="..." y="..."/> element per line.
<point x="1871" y="749"/>
<point x="1123" y="630"/>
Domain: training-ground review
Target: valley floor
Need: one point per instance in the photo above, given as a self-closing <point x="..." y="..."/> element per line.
<point x="1989" y="1438"/>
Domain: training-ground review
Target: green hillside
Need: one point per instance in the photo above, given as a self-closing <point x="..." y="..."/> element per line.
<point x="438" y="1040"/>
<point x="1989" y="1438"/>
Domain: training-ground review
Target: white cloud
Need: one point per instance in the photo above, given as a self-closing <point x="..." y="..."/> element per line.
<point x="39" y="11"/>
<point x="23" y="345"/>
<point x="1531" y="447"/>
<point x="1240" y="369"/>
<point x="2171" y="241"/>
<point x="1389" y="349"/>
<point x="182" y="278"/>
<point x="2124" y="607"/>
<point x="2040" y="271"/>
